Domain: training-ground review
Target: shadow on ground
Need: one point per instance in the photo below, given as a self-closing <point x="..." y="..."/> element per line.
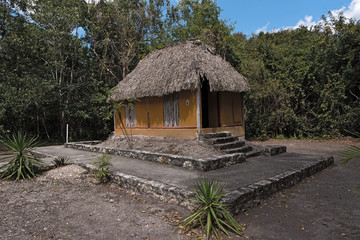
<point x="321" y="207"/>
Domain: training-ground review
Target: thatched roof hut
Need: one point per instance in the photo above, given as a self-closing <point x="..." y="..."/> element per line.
<point x="178" y="67"/>
<point x="184" y="90"/>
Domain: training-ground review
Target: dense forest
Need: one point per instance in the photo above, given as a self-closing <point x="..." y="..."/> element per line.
<point x="60" y="59"/>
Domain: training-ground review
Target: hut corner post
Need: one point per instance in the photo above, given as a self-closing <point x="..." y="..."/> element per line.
<point x="114" y="117"/>
<point x="198" y="116"/>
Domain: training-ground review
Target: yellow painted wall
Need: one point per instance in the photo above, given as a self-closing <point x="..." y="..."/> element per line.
<point x="238" y="108"/>
<point x="156" y="113"/>
<point x="187" y="113"/>
<point x="213" y="109"/>
<point x="226" y="114"/>
<point x="230" y="114"/>
<point x="230" y="108"/>
<point x="187" y="117"/>
<point x="117" y="117"/>
<point x="141" y="113"/>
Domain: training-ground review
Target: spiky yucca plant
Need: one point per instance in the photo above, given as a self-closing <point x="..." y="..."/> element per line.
<point x="210" y="214"/>
<point x="23" y="163"/>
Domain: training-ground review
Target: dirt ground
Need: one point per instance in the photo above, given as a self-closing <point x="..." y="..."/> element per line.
<point x="322" y="207"/>
<point x="190" y="148"/>
<point x="67" y="203"/>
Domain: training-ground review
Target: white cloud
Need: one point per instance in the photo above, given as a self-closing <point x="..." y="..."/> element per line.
<point x="351" y="11"/>
<point x="263" y="28"/>
<point x="307" y="22"/>
<point x="95" y="1"/>
<point x="92" y="1"/>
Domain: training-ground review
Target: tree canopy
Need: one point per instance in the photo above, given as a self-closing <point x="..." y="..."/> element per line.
<point x="60" y="59"/>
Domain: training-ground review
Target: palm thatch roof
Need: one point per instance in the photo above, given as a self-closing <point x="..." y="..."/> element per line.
<point x="180" y="66"/>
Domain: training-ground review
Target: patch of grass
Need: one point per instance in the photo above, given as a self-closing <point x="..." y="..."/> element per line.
<point x="210" y="214"/>
<point x="23" y="163"/>
<point x="102" y="172"/>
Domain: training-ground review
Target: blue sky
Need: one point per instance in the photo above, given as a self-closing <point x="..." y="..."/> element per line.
<point x="253" y="16"/>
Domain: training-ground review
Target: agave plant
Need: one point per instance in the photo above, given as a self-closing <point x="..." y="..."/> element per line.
<point x="349" y="153"/>
<point x="60" y="161"/>
<point x="210" y="214"/>
<point x="23" y="163"/>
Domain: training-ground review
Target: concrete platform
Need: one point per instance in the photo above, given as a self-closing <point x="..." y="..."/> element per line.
<point x="248" y="183"/>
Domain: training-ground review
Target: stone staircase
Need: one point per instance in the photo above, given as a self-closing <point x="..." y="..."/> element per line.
<point x="229" y="144"/>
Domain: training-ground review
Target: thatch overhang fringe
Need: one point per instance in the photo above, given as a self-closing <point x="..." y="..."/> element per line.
<point x="178" y="67"/>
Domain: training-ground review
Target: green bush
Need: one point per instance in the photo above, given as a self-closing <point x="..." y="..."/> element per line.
<point x="210" y="214"/>
<point x="102" y="172"/>
<point x="23" y="163"/>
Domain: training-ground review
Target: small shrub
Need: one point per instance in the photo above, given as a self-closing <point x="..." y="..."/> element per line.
<point x="102" y="172"/>
<point x="60" y="161"/>
<point x="23" y="163"/>
<point x="280" y="137"/>
<point x="210" y="214"/>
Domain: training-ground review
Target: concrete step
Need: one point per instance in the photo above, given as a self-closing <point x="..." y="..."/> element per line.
<point x="243" y="149"/>
<point x="221" y="140"/>
<point x="253" y="153"/>
<point x="230" y="145"/>
<point x="274" y="150"/>
<point x="214" y="135"/>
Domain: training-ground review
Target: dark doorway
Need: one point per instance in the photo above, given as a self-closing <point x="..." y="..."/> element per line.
<point x="210" y="106"/>
<point x="205" y="89"/>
